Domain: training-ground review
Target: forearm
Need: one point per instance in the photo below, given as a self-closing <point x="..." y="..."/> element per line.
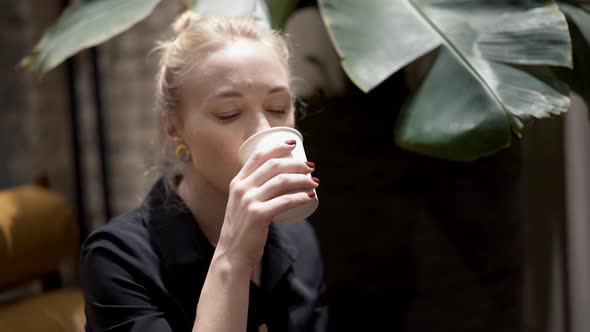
<point x="223" y="304"/>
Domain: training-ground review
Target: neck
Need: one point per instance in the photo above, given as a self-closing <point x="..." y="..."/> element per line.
<point x="206" y="203"/>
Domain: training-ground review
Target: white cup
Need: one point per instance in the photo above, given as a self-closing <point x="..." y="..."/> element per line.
<point x="274" y="136"/>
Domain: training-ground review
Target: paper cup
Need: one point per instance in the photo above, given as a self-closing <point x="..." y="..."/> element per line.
<point x="266" y="139"/>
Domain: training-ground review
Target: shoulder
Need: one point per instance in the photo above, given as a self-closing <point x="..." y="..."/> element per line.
<point x="122" y="245"/>
<point x="120" y="277"/>
<point x="125" y="233"/>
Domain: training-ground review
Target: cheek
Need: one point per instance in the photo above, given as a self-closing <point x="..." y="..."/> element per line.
<point x="215" y="156"/>
<point x="284" y="121"/>
<point x="292" y="120"/>
<point x="289" y="121"/>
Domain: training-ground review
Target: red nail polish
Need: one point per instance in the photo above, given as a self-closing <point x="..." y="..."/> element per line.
<point x="310" y="164"/>
<point x="291" y="142"/>
<point x="311" y="194"/>
<point x="316" y="180"/>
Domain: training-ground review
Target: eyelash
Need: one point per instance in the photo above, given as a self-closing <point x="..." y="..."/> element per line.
<point x="280" y="112"/>
<point x="227" y="117"/>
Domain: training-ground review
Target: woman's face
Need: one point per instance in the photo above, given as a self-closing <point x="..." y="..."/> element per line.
<point x="232" y="94"/>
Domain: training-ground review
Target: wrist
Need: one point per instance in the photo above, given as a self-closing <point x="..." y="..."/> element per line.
<point x="229" y="269"/>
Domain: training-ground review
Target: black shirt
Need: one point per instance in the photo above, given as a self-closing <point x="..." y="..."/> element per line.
<point x="144" y="271"/>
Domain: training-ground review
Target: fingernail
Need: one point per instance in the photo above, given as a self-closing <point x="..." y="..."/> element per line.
<point x="316" y="180"/>
<point x="310" y="164"/>
<point x="311" y="194"/>
<point x="291" y="142"/>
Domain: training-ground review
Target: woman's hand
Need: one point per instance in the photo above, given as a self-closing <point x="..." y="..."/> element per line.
<point x="267" y="185"/>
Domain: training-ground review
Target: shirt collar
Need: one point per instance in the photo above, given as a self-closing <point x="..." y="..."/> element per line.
<point x="180" y="241"/>
<point x="173" y="228"/>
<point x="279" y="254"/>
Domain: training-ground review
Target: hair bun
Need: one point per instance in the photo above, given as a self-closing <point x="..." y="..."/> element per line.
<point x="184" y="21"/>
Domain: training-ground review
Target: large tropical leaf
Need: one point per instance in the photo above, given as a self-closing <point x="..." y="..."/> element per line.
<point x="85" y="25"/>
<point x="473" y="97"/>
<point x="375" y="38"/>
<point x="579" y="77"/>
<point x="580" y="15"/>
<point x="427" y="126"/>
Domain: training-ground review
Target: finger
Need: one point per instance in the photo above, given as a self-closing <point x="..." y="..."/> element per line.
<point x="259" y="157"/>
<point x="286" y="183"/>
<point x="280" y="204"/>
<point x="275" y="166"/>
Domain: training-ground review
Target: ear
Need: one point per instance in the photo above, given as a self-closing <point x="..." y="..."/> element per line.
<point x="172" y="127"/>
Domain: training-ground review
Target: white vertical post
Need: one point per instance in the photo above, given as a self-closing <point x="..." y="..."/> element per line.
<point x="577" y="174"/>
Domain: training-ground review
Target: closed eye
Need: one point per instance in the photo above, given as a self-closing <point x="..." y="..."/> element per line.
<point x="277" y="111"/>
<point x="228" y="117"/>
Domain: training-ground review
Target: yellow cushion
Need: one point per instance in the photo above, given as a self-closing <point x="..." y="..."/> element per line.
<point x="56" y="311"/>
<point x="36" y="233"/>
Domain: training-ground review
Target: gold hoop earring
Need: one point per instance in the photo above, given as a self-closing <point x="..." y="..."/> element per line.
<point x="183" y="153"/>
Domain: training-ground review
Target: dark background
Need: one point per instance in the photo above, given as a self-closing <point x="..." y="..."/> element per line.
<point x="412" y="243"/>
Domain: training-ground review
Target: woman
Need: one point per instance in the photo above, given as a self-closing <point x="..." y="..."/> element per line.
<point x="201" y="252"/>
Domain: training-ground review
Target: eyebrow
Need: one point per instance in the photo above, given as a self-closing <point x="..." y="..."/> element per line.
<point x="235" y="93"/>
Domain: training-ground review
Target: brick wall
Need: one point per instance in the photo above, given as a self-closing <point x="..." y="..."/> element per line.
<point x="131" y="126"/>
<point x="33" y="120"/>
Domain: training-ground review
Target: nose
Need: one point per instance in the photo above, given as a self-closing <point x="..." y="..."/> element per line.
<point x="257" y="121"/>
<point x="261" y="122"/>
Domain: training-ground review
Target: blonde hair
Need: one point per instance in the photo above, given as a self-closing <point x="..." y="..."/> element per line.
<point x="195" y="36"/>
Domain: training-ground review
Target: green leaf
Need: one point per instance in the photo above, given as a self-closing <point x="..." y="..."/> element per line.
<point x="472" y="98"/>
<point x="580" y="17"/>
<point x="375" y="38"/>
<point x="280" y="11"/>
<point x="536" y="37"/>
<point x="525" y="97"/>
<point x="474" y="123"/>
<point x="85" y="25"/>
<point x="579" y="77"/>
<point x="469" y="125"/>
<point x="582" y="4"/>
